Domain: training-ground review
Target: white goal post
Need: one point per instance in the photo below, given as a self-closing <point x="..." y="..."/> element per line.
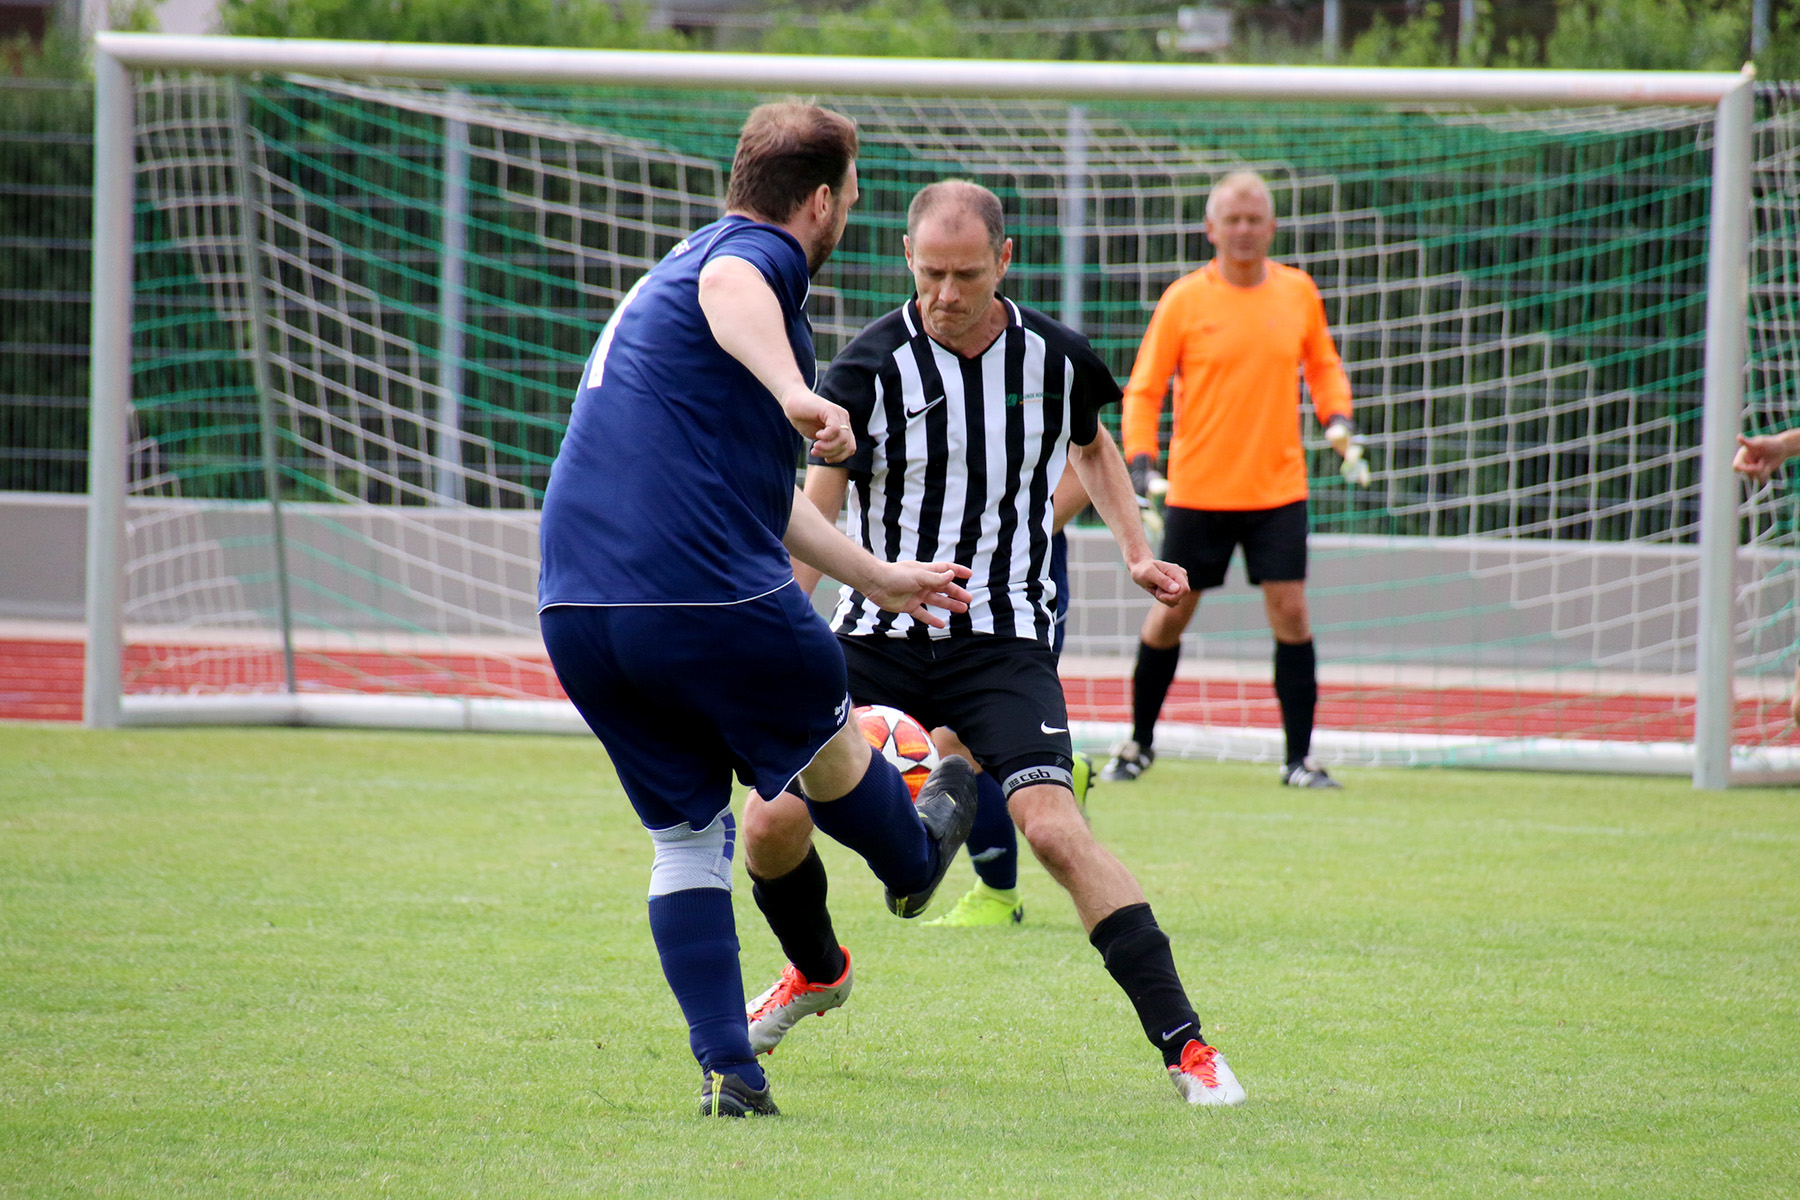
<point x="122" y="59"/>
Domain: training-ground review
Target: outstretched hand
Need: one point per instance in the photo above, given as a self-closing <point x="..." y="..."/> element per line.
<point x="1166" y="582"/>
<point x="1757" y="457"/>
<point x="914" y="588"/>
<point x="824" y="424"/>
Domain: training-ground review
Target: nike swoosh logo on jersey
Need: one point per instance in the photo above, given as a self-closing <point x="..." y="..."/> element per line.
<point x="1053" y="728"/>
<point x="924" y="408"/>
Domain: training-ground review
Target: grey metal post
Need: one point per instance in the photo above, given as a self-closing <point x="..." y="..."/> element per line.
<point x="109" y="390"/>
<point x="447" y="465"/>
<point x="1074" y="218"/>
<point x="1727" y="311"/>
<point x="1465" y="31"/>
<point x="259" y="367"/>
<point x="1334" y="27"/>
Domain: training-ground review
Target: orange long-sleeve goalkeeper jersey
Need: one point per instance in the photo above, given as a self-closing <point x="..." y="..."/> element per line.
<point x="1235" y="354"/>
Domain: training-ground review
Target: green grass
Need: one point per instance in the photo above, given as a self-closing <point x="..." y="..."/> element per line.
<point x="307" y="963"/>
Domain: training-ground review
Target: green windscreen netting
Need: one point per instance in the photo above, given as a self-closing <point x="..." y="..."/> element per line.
<point x="410" y="278"/>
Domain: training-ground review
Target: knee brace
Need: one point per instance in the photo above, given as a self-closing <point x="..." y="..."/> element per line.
<point x="688" y="858"/>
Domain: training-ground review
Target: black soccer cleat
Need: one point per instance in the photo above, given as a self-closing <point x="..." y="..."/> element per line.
<point x="946" y="804"/>
<point x="723" y="1095"/>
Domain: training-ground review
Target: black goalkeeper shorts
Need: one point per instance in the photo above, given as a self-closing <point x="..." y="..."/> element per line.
<point x="1202" y="541"/>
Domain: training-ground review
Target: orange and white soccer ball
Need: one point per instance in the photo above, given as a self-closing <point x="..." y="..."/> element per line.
<point x="901" y="740"/>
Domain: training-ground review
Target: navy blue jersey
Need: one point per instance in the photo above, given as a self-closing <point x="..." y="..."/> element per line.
<point x="675" y="480"/>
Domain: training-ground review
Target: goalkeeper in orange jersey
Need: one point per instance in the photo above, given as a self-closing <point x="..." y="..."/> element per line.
<point x="1234" y="335"/>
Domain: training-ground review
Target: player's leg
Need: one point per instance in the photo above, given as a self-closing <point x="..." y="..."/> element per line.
<point x="676" y="772"/>
<point x="1275" y="557"/>
<point x="993" y="849"/>
<point x="1199" y="542"/>
<point x="858" y="798"/>
<point x="1021" y="725"/>
<point x="1123" y="930"/>
<point x="994" y="840"/>
<point x="789" y="885"/>
<point x="851" y="793"/>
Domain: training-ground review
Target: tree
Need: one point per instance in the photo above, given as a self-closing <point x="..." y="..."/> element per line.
<point x="575" y="23"/>
<point x="1648" y="35"/>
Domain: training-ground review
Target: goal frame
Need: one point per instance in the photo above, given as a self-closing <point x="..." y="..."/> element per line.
<point x="116" y="55"/>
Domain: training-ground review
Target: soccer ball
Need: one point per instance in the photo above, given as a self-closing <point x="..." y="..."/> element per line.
<point x="901" y="740"/>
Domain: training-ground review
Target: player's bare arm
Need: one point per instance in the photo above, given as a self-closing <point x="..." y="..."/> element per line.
<point x="1102" y="472"/>
<point x="745" y="318"/>
<point x="825" y="487"/>
<point x="1069" y="498"/>
<point x="909" y="587"/>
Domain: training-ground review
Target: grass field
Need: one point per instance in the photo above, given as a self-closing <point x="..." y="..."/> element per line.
<point x="307" y="963"/>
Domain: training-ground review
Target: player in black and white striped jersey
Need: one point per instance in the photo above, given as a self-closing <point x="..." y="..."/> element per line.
<point x="966" y="409"/>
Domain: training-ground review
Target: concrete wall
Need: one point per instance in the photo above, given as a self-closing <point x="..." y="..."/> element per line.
<point x="1491" y="603"/>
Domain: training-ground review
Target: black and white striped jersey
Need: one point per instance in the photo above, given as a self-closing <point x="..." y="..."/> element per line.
<point x="957" y="459"/>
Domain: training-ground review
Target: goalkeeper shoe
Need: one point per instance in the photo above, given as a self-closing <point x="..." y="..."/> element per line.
<point x="723" y="1095"/>
<point x="791" y="997"/>
<point x="1128" y="762"/>
<point x="946" y="805"/>
<point x="1307" y="773"/>
<point x="1203" y="1077"/>
<point x="983" y="905"/>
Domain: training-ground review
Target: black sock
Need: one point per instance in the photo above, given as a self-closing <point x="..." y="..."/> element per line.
<point x="1297" y="690"/>
<point x="1136" y="953"/>
<point x="1149" y="688"/>
<point x="795" y="908"/>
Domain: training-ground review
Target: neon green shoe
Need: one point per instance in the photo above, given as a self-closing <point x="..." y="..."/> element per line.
<point x="1083" y="774"/>
<point x="984" y="906"/>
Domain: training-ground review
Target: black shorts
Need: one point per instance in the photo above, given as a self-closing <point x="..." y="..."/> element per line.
<point x="1202" y="539"/>
<point x="1001" y="696"/>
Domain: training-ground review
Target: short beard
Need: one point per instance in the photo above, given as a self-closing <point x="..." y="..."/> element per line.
<point x="818" y="253"/>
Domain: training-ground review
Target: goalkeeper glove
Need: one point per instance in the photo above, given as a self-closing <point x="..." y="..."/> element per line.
<point x="1142" y="467"/>
<point x="1340" y="431"/>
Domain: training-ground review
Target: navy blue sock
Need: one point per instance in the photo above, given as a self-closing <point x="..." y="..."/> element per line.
<point x="993" y="843"/>
<point x="876" y="818"/>
<point x="697" y="939"/>
<point x="1297" y="691"/>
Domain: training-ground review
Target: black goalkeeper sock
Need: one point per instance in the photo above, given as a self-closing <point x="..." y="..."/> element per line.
<point x="1136" y="953"/>
<point x="1297" y="691"/>
<point x="794" y="905"/>
<point x="1150" y="687"/>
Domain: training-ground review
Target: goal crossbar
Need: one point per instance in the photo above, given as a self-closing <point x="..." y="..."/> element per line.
<point x="912" y="76"/>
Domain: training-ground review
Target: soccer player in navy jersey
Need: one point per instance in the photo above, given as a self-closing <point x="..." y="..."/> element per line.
<point x="667" y="597"/>
<point x="967" y="408"/>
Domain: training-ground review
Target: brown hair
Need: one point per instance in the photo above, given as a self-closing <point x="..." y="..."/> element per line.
<point x="786" y="150"/>
<point x="968" y="197"/>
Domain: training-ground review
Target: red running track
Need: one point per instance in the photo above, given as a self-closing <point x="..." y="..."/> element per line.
<point x="40" y="680"/>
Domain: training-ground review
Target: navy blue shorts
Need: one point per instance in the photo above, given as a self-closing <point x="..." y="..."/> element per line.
<point x="1201" y="540"/>
<point x="685" y="697"/>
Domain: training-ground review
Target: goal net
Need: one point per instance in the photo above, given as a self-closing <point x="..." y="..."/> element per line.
<point x="359" y="309"/>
